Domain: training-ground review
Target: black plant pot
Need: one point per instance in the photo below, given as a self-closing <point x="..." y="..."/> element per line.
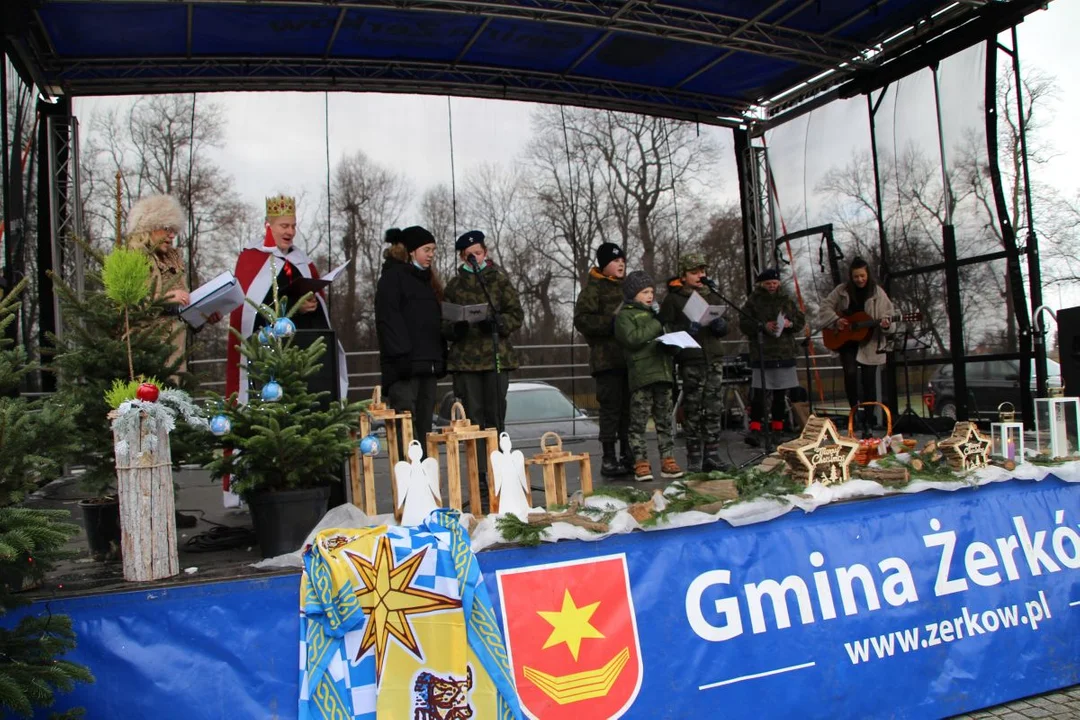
<point x="283" y="518"/>
<point x="101" y="518"/>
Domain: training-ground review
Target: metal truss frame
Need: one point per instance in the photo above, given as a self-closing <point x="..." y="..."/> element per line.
<point x="65" y="205"/>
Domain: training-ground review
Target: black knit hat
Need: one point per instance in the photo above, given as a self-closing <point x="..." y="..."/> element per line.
<point x="634" y="283"/>
<point x="768" y="274"/>
<point x="411" y="237"/>
<point x="469" y="239"/>
<point x="606" y="253"/>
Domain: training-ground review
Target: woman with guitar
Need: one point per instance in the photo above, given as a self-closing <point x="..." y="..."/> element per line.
<point x="854" y="316"/>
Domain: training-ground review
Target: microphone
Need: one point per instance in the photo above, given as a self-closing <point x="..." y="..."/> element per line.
<point x="472" y="261"/>
<point x="711" y="284"/>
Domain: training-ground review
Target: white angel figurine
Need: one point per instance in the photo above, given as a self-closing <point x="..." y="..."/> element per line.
<point x="511" y="483"/>
<point x="417" y="484"/>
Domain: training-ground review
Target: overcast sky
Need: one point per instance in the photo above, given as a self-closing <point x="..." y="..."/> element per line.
<point x="276" y="141"/>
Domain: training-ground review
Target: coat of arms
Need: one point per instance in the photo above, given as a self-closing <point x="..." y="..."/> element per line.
<point x="571" y="636"/>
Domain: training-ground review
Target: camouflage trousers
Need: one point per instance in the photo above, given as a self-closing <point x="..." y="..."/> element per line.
<point x="702" y="401"/>
<point x="651" y="401"/>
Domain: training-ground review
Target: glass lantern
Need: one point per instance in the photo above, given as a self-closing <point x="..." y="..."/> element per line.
<point x="1057" y="424"/>
<point x="1007" y="440"/>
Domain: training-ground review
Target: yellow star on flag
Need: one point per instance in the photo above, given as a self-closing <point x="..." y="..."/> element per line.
<point x="387" y="599"/>
<point x="570" y="624"/>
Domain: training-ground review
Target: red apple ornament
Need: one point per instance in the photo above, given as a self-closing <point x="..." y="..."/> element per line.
<point x="147" y="392"/>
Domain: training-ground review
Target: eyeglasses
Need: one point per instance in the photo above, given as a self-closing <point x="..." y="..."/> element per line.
<point x="170" y="230"/>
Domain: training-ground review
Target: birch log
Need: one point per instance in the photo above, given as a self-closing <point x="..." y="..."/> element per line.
<point x="147" y="511"/>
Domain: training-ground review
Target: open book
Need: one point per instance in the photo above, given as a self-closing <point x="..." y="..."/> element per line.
<point x="701" y="312"/>
<point x="472" y="314"/>
<point x="221" y="295"/>
<point x="303" y="285"/>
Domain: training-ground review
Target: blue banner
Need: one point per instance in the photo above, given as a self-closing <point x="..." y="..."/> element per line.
<point x="913" y="606"/>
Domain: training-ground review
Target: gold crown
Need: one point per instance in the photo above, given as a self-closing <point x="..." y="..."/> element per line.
<point x="279" y="206"/>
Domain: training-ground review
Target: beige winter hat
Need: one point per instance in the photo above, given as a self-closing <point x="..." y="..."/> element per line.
<point x="155" y="212"/>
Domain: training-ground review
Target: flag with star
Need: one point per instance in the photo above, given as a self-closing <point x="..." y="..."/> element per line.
<point x="572" y="638"/>
<point x="396" y="622"/>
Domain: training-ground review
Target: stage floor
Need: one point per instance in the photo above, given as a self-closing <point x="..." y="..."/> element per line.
<point x="200" y="496"/>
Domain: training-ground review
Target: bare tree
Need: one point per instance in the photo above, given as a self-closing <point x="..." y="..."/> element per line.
<point x="367" y="199"/>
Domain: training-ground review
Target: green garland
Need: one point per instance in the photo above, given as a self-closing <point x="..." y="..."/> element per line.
<point x="931" y="471"/>
<point x="518" y="531"/>
<point x="628" y="495"/>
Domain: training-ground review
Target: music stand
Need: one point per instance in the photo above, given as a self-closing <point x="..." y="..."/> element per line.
<point x="903" y="342"/>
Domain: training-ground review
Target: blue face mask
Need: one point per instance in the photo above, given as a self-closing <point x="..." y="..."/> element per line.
<point x="418" y="266"/>
<point x="469" y="268"/>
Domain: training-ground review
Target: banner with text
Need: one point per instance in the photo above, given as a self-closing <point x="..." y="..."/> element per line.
<point x="913" y="606"/>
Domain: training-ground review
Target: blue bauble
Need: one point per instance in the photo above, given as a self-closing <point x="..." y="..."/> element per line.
<point x="272" y="392"/>
<point x="284" y="327"/>
<point x="369" y="446"/>
<point x="266" y="335"/>
<point x="220" y="425"/>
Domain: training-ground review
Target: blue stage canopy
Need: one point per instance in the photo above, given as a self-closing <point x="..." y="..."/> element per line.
<point x="714" y="61"/>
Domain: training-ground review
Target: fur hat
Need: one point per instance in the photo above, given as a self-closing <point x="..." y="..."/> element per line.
<point x="155" y="212"/>
<point x="634" y="283"/>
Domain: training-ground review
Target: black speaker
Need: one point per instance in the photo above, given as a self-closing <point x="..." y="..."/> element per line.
<point x="326" y="379"/>
<point x="1069" y="343"/>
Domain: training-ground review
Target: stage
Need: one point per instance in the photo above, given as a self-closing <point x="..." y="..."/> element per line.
<point x="898" y="606"/>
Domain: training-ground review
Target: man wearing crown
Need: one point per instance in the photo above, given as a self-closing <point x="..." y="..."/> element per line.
<point x="255" y="268"/>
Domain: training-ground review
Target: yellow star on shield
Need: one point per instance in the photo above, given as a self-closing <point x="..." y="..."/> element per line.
<point x="571" y="624"/>
<point x="388" y="600"/>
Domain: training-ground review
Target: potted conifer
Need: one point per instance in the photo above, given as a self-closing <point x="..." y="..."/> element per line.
<point x="286" y="445"/>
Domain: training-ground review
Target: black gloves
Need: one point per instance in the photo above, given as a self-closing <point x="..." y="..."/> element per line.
<point x="719" y="327"/>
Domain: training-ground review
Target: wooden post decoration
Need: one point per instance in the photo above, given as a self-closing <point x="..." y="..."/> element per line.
<point x="513" y="495"/>
<point x="119" y="207"/>
<point x="966" y="448"/>
<point x="820" y="454"/>
<point x="147" y="512"/>
<point x="417" y="483"/>
<point x="462" y="430"/>
<point x="362" y="467"/>
<point x="553" y="459"/>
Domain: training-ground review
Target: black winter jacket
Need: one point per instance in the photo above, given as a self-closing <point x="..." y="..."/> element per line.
<point x="408" y="322"/>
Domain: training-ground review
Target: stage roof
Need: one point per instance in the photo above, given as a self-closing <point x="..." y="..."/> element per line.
<point x="713" y="61"/>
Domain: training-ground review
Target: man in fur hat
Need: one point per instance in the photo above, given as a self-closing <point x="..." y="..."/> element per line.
<point x="153" y="224"/>
<point x="274" y="253"/>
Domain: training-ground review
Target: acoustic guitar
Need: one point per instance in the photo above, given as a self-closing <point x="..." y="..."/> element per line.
<point x="860" y="327"/>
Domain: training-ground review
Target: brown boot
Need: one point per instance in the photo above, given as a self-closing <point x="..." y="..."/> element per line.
<point x="642" y="471"/>
<point x="669" y="469"/>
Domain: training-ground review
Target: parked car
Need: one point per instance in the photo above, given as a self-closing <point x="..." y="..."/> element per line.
<point x="533" y="408"/>
<point x="990" y="383"/>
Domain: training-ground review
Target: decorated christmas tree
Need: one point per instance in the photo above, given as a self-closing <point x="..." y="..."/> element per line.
<point x="35" y="438"/>
<point x="285" y="437"/>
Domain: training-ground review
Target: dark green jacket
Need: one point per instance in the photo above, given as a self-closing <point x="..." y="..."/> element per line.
<point x="594" y="317"/>
<point x="473" y="352"/>
<point x="765" y="306"/>
<point x="671" y="314"/>
<point x="636" y="330"/>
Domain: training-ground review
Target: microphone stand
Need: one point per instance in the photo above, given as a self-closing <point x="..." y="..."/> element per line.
<point x="766" y="431"/>
<point x="494" y="351"/>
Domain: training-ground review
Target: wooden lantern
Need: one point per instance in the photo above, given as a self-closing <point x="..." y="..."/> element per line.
<point x="820" y="454"/>
<point x="553" y="459"/>
<point x="362" y="467"/>
<point x="966" y="448"/>
<point x="462" y="430"/>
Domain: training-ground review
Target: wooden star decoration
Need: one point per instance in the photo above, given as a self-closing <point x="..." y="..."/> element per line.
<point x="388" y="599"/>
<point x="966" y="448"/>
<point x="820" y="454"/>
